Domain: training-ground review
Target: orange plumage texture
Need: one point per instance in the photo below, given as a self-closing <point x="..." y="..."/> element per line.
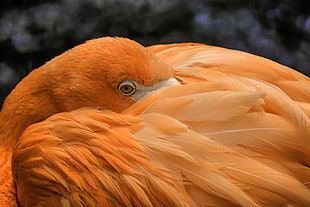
<point x="233" y="132"/>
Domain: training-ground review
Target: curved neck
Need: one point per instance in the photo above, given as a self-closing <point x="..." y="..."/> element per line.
<point x="28" y="103"/>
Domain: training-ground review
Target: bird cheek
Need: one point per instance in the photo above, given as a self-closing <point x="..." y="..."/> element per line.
<point x="116" y="103"/>
<point x="123" y="104"/>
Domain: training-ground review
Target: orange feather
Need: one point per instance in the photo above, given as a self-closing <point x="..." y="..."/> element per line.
<point x="233" y="132"/>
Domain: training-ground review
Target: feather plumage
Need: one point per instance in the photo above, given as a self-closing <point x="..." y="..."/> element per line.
<point x="234" y="132"/>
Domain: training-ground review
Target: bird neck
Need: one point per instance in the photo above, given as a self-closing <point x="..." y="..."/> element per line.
<point x="28" y="103"/>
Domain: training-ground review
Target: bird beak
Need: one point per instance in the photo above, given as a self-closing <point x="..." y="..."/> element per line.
<point x="143" y="90"/>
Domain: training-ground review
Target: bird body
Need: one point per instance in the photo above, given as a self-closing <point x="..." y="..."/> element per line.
<point x="107" y="124"/>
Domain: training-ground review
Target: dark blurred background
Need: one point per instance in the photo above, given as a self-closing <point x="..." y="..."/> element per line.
<point x="32" y="32"/>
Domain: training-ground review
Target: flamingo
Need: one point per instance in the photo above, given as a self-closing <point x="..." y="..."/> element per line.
<point x="113" y="123"/>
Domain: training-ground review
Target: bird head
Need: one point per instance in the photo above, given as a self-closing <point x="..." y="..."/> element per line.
<point x="104" y="73"/>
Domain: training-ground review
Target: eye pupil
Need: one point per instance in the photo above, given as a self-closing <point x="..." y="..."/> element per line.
<point x="127" y="88"/>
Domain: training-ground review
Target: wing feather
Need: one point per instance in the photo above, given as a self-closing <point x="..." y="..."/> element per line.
<point x="221" y="171"/>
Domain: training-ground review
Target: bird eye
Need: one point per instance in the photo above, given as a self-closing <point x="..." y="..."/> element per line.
<point x="127" y="88"/>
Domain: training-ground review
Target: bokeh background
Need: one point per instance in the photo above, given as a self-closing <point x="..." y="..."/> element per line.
<point x="32" y="32"/>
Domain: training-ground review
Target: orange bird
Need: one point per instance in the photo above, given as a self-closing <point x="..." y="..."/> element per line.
<point x="112" y="123"/>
